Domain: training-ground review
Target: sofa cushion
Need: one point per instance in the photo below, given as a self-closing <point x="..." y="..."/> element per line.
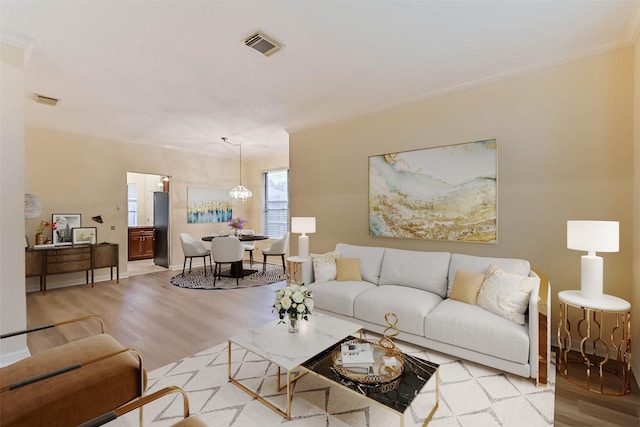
<point x="409" y="304"/>
<point x="506" y="294"/>
<point x="370" y="259"/>
<point x="338" y="297"/>
<point x="421" y="270"/>
<point x="324" y="266"/>
<point x="466" y="286"/>
<point x="476" y="264"/>
<point x="348" y="269"/>
<point x="474" y="328"/>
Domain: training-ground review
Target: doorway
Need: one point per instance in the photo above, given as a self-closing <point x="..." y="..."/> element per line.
<point x="147" y="223"/>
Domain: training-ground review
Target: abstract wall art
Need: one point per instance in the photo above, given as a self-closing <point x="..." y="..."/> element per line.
<point x="208" y="205"/>
<point x="442" y="193"/>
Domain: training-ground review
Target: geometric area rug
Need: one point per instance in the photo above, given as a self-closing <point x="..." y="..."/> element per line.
<point x="197" y="280"/>
<point x="470" y="395"/>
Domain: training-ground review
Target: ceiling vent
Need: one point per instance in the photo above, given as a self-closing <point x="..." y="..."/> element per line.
<point x="41" y="99"/>
<point x="262" y="44"/>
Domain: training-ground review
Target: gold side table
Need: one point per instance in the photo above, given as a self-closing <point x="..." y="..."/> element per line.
<point x="294" y="266"/>
<point x="606" y="357"/>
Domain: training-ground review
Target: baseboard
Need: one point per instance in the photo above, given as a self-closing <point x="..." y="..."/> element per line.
<point x="9" y="358"/>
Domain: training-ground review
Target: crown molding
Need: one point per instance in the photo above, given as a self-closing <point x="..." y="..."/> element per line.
<point x="18" y="41"/>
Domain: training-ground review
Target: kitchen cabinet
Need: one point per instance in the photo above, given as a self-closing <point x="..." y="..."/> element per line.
<point x="141" y="243"/>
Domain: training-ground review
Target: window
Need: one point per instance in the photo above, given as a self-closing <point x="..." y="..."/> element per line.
<point x="276" y="203"/>
<point x="132" y="205"/>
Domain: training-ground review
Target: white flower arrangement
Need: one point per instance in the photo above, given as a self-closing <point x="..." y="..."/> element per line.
<point x="294" y="301"/>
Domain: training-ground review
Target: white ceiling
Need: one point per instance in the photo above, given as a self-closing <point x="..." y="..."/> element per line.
<point x="177" y="74"/>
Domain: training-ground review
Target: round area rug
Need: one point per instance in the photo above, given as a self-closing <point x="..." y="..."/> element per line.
<point x="197" y="280"/>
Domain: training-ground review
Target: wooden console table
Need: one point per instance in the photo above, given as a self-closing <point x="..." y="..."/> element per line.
<point x="70" y="259"/>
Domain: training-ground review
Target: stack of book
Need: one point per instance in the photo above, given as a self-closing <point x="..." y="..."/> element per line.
<point x="357" y="358"/>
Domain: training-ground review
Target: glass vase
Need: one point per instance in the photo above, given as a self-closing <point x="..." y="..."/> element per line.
<point x="293" y="325"/>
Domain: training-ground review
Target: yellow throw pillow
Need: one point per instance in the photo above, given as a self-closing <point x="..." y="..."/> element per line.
<point x="466" y="286"/>
<point x="348" y="269"/>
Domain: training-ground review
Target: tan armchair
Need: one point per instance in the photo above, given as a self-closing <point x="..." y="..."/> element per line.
<point x="72" y="383"/>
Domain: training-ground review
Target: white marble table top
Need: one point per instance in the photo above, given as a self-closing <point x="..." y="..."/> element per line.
<point x="273" y="341"/>
<point x="606" y="303"/>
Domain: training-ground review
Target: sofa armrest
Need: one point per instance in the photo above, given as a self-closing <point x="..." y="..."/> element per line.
<point x="540" y="329"/>
<point x="307" y="273"/>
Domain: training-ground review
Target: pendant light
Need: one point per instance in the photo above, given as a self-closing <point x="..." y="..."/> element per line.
<point x="239" y="193"/>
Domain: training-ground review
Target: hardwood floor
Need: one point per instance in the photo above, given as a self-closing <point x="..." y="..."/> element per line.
<point x="166" y="323"/>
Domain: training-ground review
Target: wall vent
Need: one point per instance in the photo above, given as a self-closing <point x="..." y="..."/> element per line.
<point x="262" y="44"/>
<point x="46" y="100"/>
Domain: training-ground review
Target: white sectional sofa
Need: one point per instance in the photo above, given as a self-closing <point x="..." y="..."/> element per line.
<point x="416" y="285"/>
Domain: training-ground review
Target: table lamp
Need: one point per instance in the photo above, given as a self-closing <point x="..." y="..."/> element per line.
<point x="303" y="224"/>
<point x="592" y="236"/>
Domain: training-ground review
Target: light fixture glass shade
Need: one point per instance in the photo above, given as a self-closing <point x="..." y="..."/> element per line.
<point x="592" y="236"/>
<point x="240" y="193"/>
<point x="303" y="224"/>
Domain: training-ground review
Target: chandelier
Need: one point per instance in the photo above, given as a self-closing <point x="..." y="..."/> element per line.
<point x="239" y="193"/>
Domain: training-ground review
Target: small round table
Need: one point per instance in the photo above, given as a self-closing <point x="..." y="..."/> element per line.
<point x="294" y="266"/>
<point x="608" y="356"/>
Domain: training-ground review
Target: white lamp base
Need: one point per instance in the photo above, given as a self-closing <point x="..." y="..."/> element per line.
<point x="591" y="277"/>
<point x="303" y="246"/>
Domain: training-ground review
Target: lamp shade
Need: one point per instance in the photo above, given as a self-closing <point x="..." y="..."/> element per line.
<point x="593" y="236"/>
<point x="303" y="224"/>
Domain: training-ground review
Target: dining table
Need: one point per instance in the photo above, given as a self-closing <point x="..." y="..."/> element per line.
<point x="235" y="271"/>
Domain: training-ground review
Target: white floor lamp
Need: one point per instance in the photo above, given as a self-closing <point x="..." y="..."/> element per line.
<point x="303" y="224"/>
<point x="592" y="236"/>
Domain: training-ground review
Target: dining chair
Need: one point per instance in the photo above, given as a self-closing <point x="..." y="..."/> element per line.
<point x="277" y="248"/>
<point x="194" y="249"/>
<point x="249" y="246"/>
<point x="227" y="250"/>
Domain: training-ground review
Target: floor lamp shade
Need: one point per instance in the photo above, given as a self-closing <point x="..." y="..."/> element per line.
<point x="303" y="224"/>
<point x="592" y="236"/>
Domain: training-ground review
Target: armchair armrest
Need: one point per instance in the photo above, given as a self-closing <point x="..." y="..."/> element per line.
<point x="53" y="325"/>
<point x="139" y="403"/>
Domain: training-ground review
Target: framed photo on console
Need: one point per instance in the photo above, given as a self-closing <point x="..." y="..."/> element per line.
<point x="62" y="224"/>
<point x="84" y="235"/>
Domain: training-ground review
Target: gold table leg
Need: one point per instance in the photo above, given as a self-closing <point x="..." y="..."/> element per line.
<point x="290" y="381"/>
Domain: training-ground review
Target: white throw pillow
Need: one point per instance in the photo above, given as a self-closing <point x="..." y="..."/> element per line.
<point x="324" y="266"/>
<point x="506" y="294"/>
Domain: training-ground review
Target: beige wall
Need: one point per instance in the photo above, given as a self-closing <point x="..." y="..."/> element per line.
<point x="565" y="151"/>
<point x="86" y="175"/>
<point x="90" y="187"/>
<point x="13" y="312"/>
<point x="635" y="302"/>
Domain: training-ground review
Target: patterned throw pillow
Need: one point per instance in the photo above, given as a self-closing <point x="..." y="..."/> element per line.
<point x="506" y="294"/>
<point x="324" y="266"/>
